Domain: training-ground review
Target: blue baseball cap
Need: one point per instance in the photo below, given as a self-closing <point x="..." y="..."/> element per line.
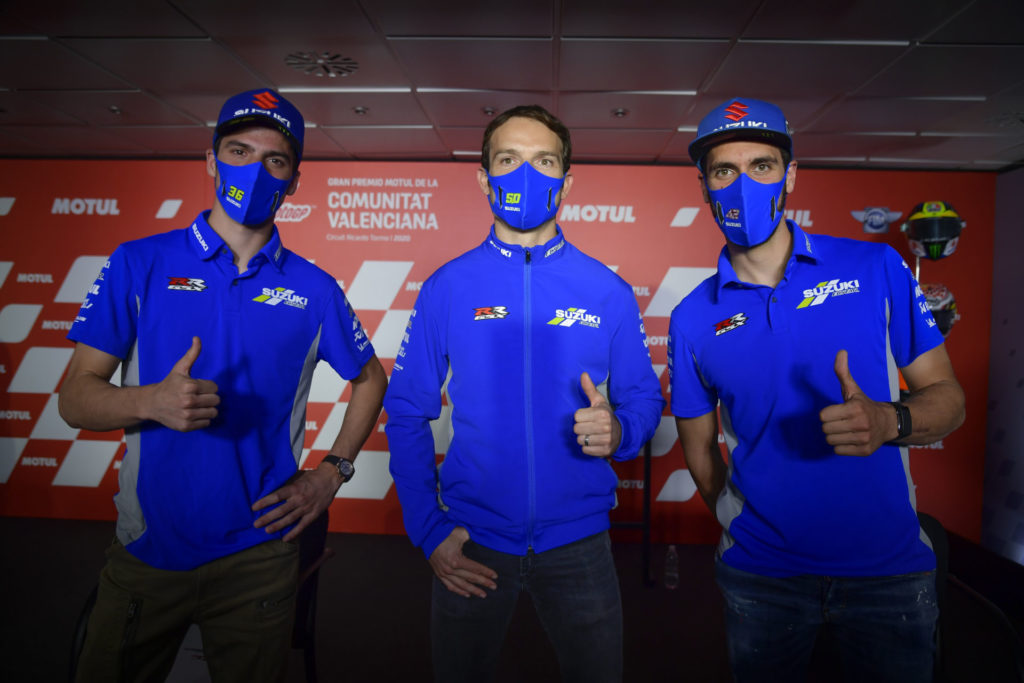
<point x="261" y="107"/>
<point x="742" y="118"/>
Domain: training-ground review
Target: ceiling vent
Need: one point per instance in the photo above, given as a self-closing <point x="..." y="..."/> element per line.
<point x="322" y="64"/>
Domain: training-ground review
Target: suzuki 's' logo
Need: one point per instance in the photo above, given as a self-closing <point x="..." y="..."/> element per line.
<point x="490" y="313"/>
<point x="188" y="284"/>
<point x="265" y="100"/>
<point x="736" y="111"/>
<point x="730" y="324"/>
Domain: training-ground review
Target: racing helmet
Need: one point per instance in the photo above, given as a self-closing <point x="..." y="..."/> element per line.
<point x="933" y="230"/>
<point x="942" y="305"/>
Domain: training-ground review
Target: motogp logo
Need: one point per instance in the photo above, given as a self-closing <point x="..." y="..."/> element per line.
<point x="730" y="324"/>
<point x="188" y="284"/>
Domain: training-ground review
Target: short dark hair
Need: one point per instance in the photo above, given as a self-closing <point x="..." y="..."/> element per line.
<point x="528" y="111"/>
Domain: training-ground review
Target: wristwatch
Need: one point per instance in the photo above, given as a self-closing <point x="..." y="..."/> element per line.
<point x="903" y="423"/>
<point x="345" y="467"/>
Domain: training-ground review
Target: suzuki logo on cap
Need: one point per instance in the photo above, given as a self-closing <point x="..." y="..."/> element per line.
<point x="265" y="100"/>
<point x="736" y="111"/>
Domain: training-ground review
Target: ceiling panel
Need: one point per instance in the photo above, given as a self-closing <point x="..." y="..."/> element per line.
<point x="34" y="64"/>
<point x="622" y="110"/>
<point x="655" y="18"/>
<point x="868" y="20"/>
<point x="167" y="141"/>
<point x="109" y="18"/>
<point x="615" y="143"/>
<point x="476" y="107"/>
<point x="272" y="19"/>
<point x="367" y="140"/>
<point x="479" y="64"/>
<point x="463" y="140"/>
<point x="462" y="18"/>
<point x="596" y="64"/>
<point x="87" y="140"/>
<point x="951" y="70"/>
<point x="114" y="108"/>
<point x="26" y="108"/>
<point x="873" y="114"/>
<point x="318" y="144"/>
<point x="135" y="78"/>
<point x="985" y="21"/>
<point x="340" y="108"/>
<point x="772" y="70"/>
<point x="355" y="62"/>
<point x="170" y="65"/>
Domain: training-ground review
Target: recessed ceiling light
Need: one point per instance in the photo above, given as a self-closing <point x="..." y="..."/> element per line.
<point x="322" y="64"/>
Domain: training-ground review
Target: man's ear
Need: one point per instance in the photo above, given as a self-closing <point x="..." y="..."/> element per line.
<point x="485" y="185"/>
<point x="703" y="188"/>
<point x="294" y="184"/>
<point x="790" y="177"/>
<point x="211" y="163"/>
<point x="566" y="186"/>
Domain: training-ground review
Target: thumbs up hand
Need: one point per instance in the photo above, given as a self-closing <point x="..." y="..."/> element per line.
<point x="858" y="425"/>
<point x="597" y="429"/>
<point x="181" y="402"/>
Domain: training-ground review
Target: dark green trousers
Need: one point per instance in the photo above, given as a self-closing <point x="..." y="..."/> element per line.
<point x="244" y="605"/>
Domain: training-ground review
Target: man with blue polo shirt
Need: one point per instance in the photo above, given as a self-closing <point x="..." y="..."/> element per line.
<point x="798" y="338"/>
<point x="526" y="324"/>
<point x="217" y="328"/>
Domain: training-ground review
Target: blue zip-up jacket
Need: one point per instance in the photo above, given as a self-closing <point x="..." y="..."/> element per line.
<point x="516" y="327"/>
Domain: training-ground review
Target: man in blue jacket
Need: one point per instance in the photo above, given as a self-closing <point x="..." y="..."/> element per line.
<point x="799" y="336"/>
<point x="550" y="379"/>
<point x="217" y="328"/>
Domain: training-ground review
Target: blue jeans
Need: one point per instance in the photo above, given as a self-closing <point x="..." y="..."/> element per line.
<point x="884" y="626"/>
<point x="575" y="591"/>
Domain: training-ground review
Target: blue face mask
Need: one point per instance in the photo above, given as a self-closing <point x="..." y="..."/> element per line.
<point x="525" y="198"/>
<point x="748" y="211"/>
<point x="249" y="194"/>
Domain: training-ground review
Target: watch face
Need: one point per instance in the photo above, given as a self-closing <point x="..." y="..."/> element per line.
<point x="346" y="468"/>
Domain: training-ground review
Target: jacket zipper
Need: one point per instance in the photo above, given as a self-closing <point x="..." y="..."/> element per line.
<point x="528" y="387"/>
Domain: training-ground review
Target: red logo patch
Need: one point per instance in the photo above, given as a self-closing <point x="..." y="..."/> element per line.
<point x="736" y="111"/>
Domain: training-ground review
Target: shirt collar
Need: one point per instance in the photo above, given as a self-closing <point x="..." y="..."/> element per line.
<point x="542" y="253"/>
<point x="207" y="243"/>
<point x="803" y="250"/>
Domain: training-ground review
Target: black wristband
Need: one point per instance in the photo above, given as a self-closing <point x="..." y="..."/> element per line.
<point x="904" y="426"/>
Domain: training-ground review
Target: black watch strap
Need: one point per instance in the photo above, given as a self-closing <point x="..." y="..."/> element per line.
<point x="904" y="426"/>
<point x="345" y="467"/>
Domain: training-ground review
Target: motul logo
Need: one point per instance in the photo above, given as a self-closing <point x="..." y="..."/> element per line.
<point x="736" y="111"/>
<point x="265" y="100"/>
<point x="89" y="207"/>
<point x="293" y="213"/>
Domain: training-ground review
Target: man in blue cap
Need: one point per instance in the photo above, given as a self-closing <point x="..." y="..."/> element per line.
<point x="217" y="329"/>
<point x="798" y="338"/>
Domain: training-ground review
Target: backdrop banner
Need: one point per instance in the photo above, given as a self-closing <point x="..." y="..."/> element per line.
<point x="381" y="229"/>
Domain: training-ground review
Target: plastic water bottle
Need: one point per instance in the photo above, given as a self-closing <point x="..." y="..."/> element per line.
<point x="671" y="575"/>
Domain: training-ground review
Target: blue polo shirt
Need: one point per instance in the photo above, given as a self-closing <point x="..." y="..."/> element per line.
<point x="185" y="498"/>
<point x="790" y="505"/>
